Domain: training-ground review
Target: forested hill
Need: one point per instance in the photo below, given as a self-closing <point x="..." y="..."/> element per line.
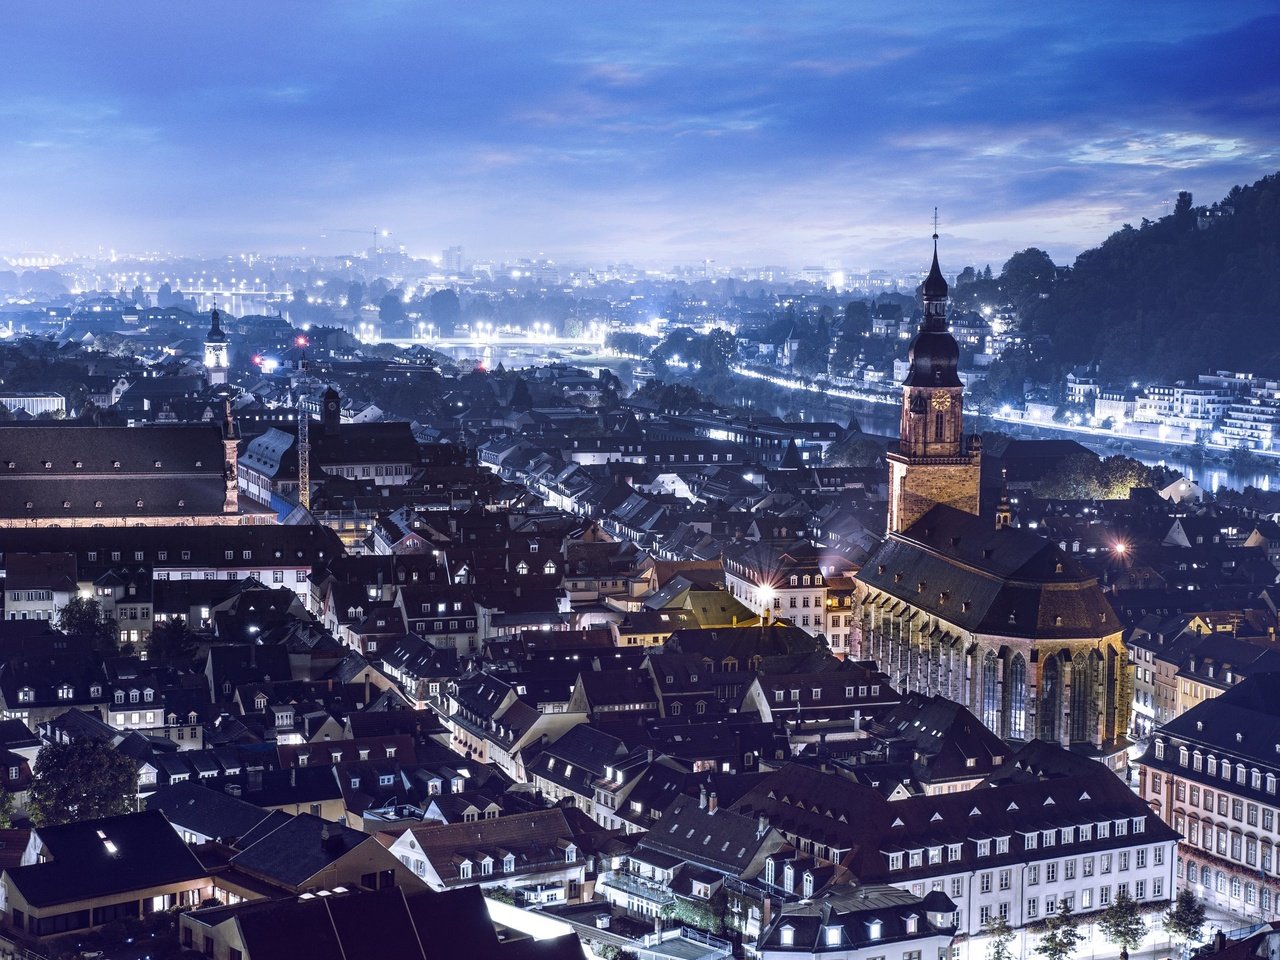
<point x="1196" y="290"/>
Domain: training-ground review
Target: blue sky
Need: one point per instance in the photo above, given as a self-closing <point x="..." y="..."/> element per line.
<point x="796" y="133"/>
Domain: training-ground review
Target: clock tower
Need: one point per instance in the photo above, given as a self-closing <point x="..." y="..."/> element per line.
<point x="215" y="350"/>
<point x="934" y="462"/>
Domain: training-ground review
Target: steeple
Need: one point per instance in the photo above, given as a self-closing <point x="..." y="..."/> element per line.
<point x="215" y="328"/>
<point x="215" y="350"/>
<point x="934" y="355"/>
<point x="933" y="463"/>
<point x="1004" y="511"/>
<point x="935" y="294"/>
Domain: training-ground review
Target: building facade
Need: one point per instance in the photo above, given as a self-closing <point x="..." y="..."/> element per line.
<point x="1211" y="774"/>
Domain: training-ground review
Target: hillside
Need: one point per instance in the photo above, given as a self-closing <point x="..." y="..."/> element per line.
<point x="1196" y="290"/>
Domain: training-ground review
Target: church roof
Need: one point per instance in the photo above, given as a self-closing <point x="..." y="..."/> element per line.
<point x="66" y="470"/>
<point x="1009" y="582"/>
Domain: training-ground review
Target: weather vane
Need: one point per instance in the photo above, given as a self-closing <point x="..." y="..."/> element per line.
<point x="935" y="223"/>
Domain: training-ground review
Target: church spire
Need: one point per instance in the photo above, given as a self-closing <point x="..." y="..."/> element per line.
<point x="1004" y="511"/>
<point x="935" y="288"/>
<point x="215" y="327"/>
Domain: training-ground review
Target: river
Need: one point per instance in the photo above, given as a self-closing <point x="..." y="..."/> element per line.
<point x="1211" y="475"/>
<point x="882" y="420"/>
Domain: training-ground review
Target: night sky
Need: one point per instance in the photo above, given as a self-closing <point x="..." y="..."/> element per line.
<point x="792" y="133"/>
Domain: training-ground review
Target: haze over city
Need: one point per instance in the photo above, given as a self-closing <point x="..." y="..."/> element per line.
<point x="660" y="132"/>
<point x="639" y="481"/>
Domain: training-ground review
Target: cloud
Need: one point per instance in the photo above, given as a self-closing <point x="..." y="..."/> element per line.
<point x="814" y="132"/>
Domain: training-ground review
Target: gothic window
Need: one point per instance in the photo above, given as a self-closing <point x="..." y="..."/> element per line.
<point x="1017" y="684"/>
<point x="991" y="692"/>
<point x="1050" y="699"/>
<point x="1081" y="699"/>
<point x="938" y="426"/>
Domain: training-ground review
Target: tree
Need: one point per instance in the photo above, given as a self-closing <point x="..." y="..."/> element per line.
<point x="1001" y="935"/>
<point x="1061" y="936"/>
<point x="1122" y="924"/>
<point x="1184" y="920"/>
<point x="85" y="616"/>
<point x="81" y="780"/>
<point x="855" y="450"/>
<point x="171" y="642"/>
<point x="391" y="308"/>
<point x="6" y="809"/>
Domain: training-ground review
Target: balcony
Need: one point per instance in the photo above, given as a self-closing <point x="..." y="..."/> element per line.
<point x="649" y="890"/>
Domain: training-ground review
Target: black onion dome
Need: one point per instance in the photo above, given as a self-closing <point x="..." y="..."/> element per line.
<point x="215" y="328"/>
<point x="934" y="355"/>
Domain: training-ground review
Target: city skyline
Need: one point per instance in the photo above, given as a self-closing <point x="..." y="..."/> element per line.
<point x="663" y="135"/>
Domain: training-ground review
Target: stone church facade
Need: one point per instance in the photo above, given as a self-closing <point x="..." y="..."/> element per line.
<point x="971" y="608"/>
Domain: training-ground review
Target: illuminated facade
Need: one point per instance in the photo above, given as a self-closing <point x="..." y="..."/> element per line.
<point x="971" y="608"/>
<point x="216" y="363"/>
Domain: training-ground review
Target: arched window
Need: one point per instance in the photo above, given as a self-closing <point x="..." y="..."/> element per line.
<point x="1017" y="684"/>
<point x="1051" y="699"/>
<point x="939" y="425"/>
<point x="1081" y="698"/>
<point x="991" y="692"/>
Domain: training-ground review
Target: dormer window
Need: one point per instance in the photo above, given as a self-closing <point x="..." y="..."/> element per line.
<point x="522" y="568"/>
<point x="508" y="863"/>
<point x="26" y="695"/>
<point x="787" y="935"/>
<point x="874" y="929"/>
<point x="65" y="692"/>
<point x="119" y="697"/>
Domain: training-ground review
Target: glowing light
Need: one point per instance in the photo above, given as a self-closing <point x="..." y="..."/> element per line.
<point x="300" y="341"/>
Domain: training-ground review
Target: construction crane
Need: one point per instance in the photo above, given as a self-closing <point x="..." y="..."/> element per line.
<point x="376" y="233"/>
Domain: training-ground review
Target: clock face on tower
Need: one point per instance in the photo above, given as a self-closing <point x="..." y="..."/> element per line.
<point x="941" y="401"/>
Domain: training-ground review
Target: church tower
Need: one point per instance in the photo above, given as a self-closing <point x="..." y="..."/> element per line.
<point x="215" y="350"/>
<point x="934" y="462"/>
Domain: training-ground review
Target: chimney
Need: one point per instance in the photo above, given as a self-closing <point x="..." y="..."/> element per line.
<point x="712" y="802"/>
<point x="255" y="781"/>
<point x="1219" y="941"/>
<point x="366" y="689"/>
<point x="293" y="777"/>
<point x="762" y="825"/>
<point x="702" y="797"/>
<point x="330" y="841"/>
